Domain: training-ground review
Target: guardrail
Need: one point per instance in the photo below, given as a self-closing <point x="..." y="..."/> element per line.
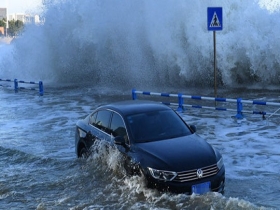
<point x="17" y="87"/>
<point x="239" y="103"/>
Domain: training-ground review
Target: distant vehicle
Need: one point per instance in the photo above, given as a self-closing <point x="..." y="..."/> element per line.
<point x="157" y="144"/>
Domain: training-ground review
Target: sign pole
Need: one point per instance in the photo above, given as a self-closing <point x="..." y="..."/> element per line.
<point x="215" y="64"/>
<point x="215" y="23"/>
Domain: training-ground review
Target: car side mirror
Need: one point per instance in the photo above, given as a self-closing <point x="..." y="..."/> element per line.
<point x="119" y="140"/>
<point x="193" y="128"/>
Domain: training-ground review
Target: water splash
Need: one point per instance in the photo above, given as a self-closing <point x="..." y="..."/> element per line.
<point x="148" y="43"/>
<point x="131" y="191"/>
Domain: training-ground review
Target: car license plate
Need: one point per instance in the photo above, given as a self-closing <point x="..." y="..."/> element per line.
<point x="201" y="188"/>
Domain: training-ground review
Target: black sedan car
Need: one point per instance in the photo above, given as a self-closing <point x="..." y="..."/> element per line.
<point x="156" y="143"/>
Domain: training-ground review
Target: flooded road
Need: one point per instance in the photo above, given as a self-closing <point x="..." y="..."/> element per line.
<point x="40" y="169"/>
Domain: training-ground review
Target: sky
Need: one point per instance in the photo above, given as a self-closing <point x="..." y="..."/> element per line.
<point x="30" y="6"/>
<point x="21" y="6"/>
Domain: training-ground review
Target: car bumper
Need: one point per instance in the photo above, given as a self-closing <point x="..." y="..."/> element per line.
<point x="217" y="184"/>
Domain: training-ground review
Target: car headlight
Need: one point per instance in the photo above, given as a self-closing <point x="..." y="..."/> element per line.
<point x="162" y="175"/>
<point x="220" y="163"/>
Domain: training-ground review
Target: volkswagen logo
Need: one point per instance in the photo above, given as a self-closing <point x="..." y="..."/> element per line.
<point x="199" y="173"/>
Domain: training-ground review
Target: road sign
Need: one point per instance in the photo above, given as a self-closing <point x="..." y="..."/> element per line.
<point x="215" y="18"/>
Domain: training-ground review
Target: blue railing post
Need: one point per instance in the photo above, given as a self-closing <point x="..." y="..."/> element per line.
<point x="239" y="114"/>
<point x="16" y="85"/>
<point x="134" y="96"/>
<point x="41" y="88"/>
<point x="180" y="102"/>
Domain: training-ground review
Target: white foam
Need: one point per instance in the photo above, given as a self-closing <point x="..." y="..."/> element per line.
<point x="145" y="43"/>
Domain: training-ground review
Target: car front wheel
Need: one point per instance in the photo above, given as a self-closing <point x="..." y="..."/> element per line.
<point x="83" y="153"/>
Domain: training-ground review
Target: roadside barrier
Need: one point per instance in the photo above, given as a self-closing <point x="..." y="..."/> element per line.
<point x="31" y="85"/>
<point x="239" y="103"/>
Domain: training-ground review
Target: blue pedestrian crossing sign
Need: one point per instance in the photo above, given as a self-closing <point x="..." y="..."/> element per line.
<point x="215" y="18"/>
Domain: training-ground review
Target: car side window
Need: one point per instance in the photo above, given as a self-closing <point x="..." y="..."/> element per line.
<point x="118" y="127"/>
<point x="102" y="120"/>
<point x="92" y="118"/>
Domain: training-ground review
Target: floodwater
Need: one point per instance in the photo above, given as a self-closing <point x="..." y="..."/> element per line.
<point x="39" y="168"/>
<point x="106" y="49"/>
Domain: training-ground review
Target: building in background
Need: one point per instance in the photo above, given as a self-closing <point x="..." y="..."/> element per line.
<point x="2" y="31"/>
<point x="3" y="13"/>
<point x="25" y="18"/>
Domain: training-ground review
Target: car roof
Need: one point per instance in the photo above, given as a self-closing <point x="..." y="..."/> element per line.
<point x="135" y="106"/>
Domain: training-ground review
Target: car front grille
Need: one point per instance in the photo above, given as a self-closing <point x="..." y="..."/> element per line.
<point x="191" y="175"/>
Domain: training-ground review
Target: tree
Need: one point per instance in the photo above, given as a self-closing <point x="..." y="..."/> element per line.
<point x="15" y="27"/>
<point x="3" y="22"/>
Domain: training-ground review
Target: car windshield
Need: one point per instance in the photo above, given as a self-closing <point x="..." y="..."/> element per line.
<point x="156" y="125"/>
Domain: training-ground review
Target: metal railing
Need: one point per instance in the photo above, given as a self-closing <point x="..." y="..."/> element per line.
<point x="28" y="86"/>
<point x="239" y="103"/>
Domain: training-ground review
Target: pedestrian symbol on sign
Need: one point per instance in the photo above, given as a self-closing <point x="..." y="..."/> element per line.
<point x="215" y="21"/>
<point x="215" y="18"/>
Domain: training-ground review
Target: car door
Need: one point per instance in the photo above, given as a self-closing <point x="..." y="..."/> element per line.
<point x="118" y="128"/>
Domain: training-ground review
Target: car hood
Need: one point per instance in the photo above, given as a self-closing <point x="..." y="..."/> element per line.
<point x="178" y="154"/>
